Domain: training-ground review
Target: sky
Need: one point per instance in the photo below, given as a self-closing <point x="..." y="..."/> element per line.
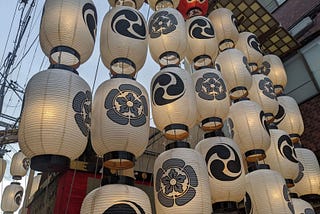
<point x="26" y="65"/>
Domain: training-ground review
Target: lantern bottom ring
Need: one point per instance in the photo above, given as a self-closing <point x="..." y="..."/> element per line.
<point x="16" y="177"/>
<point x="176" y="131"/>
<point x="225" y="206"/>
<point x="123" y="66"/>
<point x="269" y="117"/>
<point x="119" y="160"/>
<point x="255" y="155"/>
<point x="50" y="163"/>
<point x="202" y="61"/>
<point x="278" y="89"/>
<point x="169" y="58"/>
<point x="211" y="124"/>
<point x="253" y="67"/>
<point x="177" y="144"/>
<point x="289" y="182"/>
<point x="62" y="54"/>
<point x="256" y="166"/>
<point x="226" y="44"/>
<point x="238" y="92"/>
<point x="295" y="138"/>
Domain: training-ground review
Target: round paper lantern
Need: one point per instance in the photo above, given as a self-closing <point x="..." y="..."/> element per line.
<point x="193" y="8"/>
<point x="163" y="4"/>
<point x="202" y="46"/>
<point x="307" y="184"/>
<point x="225" y="168"/>
<point x="289" y="118"/>
<point x="11" y="197"/>
<point x="249" y="129"/>
<point x="167" y="37"/>
<point x="116" y="198"/>
<point x="271" y="65"/>
<point x="226" y="27"/>
<point x="281" y="155"/>
<point x="19" y="165"/>
<point x="123" y="35"/>
<point x="57" y="110"/>
<point x="3" y="165"/>
<point x="267" y="193"/>
<point x="137" y="4"/>
<point x="181" y="182"/>
<point x="211" y="97"/>
<point x="249" y="44"/>
<point x="301" y="206"/>
<point x="235" y="71"/>
<point x="68" y="31"/>
<point x="120" y="122"/>
<point x="262" y="92"/>
<point x="173" y="102"/>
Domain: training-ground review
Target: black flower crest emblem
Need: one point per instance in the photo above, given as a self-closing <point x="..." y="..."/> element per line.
<point x="162" y="22"/>
<point x="266" y="86"/>
<point x="82" y="106"/>
<point x="175" y="183"/>
<point x="211" y="86"/>
<point x="127" y="104"/>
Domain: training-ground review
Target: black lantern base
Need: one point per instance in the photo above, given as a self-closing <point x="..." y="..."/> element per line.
<point x="310" y="197"/>
<point x="176" y="131"/>
<point x="50" y="163"/>
<point x="255" y="166"/>
<point x="16" y="177"/>
<point x="177" y="144"/>
<point x="289" y="183"/>
<point x="255" y="155"/>
<point x="224" y="206"/>
<point x="295" y="138"/>
<point x="211" y="124"/>
<point x="238" y="92"/>
<point x="119" y="160"/>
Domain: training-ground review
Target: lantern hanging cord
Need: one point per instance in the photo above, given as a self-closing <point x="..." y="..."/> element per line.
<point x="70" y="192"/>
<point x="96" y="74"/>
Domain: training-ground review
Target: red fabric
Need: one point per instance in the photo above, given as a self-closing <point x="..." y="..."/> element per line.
<point x="186" y="5"/>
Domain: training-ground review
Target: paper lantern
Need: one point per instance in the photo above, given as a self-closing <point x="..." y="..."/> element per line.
<point x="271" y="65"/>
<point x="281" y="155"/>
<point x="301" y="206"/>
<point x="211" y="97"/>
<point x="57" y="110"/>
<point x="226" y="171"/>
<point x="181" y="182"/>
<point x="249" y="44"/>
<point x="11" y="197"/>
<point x="68" y="31"/>
<point x="235" y="71"/>
<point x="226" y="27"/>
<point x="19" y="165"/>
<point x="167" y="37"/>
<point x="193" y="8"/>
<point x="3" y="165"/>
<point x="173" y="102"/>
<point x="249" y="130"/>
<point x="267" y="193"/>
<point x="120" y="122"/>
<point x="116" y="198"/>
<point x="137" y="4"/>
<point x="202" y="47"/>
<point x="307" y="184"/>
<point x="163" y="4"/>
<point x="262" y="92"/>
<point x="289" y="118"/>
<point x="123" y="35"/>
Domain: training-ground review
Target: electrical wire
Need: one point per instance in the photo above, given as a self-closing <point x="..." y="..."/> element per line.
<point x="96" y="74"/>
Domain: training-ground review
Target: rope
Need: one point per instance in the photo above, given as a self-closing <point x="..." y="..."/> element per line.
<point x="96" y="74"/>
<point x="71" y="187"/>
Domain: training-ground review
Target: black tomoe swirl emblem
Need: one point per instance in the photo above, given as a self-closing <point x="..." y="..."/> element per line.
<point x="162" y="22"/>
<point x="26" y="163"/>
<point x="265" y="68"/>
<point x="286" y="148"/>
<point x="266" y="86"/>
<point x="264" y="122"/>
<point x="235" y="21"/>
<point x="82" y="106"/>
<point x="18" y="197"/>
<point x="129" y="23"/>
<point x="167" y="88"/>
<point x="301" y="173"/>
<point x="287" y="198"/>
<point x="201" y="29"/>
<point x="218" y="67"/>
<point x="211" y="86"/>
<point x="125" y="206"/>
<point x="279" y="117"/>
<point x="223" y="162"/>
<point x="248" y="204"/>
<point x="127" y="104"/>
<point x="89" y="14"/>
<point x="254" y="43"/>
<point x="175" y="183"/>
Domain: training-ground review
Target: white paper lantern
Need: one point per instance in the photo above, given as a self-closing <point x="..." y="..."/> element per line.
<point x="55" y="121"/>
<point x="212" y="98"/>
<point x="181" y="182"/>
<point x="173" y="102"/>
<point x="249" y="44"/>
<point x="68" y="31"/>
<point x="11" y="197"/>
<point x="120" y="122"/>
<point x="3" y="165"/>
<point x="262" y="92"/>
<point x="167" y="36"/>
<point x="281" y="155"/>
<point x="226" y="171"/>
<point x="123" y="41"/>
<point x="235" y="71"/>
<point x="289" y="118"/>
<point x="267" y="193"/>
<point x="307" y="183"/>
<point x="202" y="46"/>
<point x="161" y="4"/>
<point x="301" y="206"/>
<point x="249" y="130"/>
<point x="137" y="4"/>
<point x="116" y="198"/>
<point x="271" y="65"/>
<point x="226" y="27"/>
<point x="19" y="165"/>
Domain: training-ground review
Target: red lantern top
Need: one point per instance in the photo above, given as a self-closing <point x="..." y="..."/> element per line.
<point x="190" y="8"/>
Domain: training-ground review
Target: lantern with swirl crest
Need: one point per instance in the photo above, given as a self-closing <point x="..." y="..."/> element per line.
<point x="301" y="206"/>
<point x="11" y="197"/>
<point x="161" y="4"/>
<point x="19" y="165"/>
<point x="57" y="101"/>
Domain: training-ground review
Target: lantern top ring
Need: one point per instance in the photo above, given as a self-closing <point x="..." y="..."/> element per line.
<point x="63" y="67"/>
<point x="177" y="144"/>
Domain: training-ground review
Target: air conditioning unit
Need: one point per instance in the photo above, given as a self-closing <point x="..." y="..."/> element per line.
<point x="301" y="26"/>
<point x="269" y="5"/>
